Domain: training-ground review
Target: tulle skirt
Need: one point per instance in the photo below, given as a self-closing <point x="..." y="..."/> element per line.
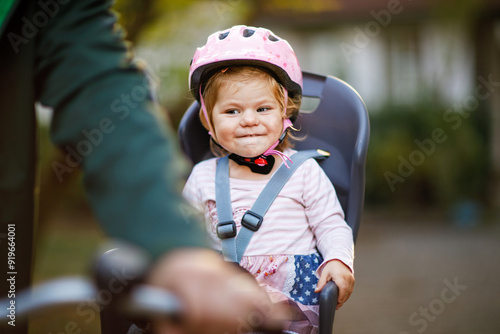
<point x="290" y="279"/>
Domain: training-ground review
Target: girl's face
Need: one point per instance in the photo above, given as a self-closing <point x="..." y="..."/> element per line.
<point x="247" y="119"/>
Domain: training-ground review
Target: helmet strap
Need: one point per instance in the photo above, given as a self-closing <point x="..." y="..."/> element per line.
<point x="204" y="109"/>
<point x="263" y="164"/>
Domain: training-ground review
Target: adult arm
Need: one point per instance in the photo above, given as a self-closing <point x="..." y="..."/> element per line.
<point x="105" y="123"/>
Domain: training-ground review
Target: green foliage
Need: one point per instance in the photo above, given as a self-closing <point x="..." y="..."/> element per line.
<point x="135" y="16"/>
<point x="174" y="93"/>
<point x="457" y="10"/>
<point x="426" y="155"/>
<point x="166" y="21"/>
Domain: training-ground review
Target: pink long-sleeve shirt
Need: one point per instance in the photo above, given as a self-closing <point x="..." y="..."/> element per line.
<point x="306" y="214"/>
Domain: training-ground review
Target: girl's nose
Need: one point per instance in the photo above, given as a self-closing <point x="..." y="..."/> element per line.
<point x="249" y="117"/>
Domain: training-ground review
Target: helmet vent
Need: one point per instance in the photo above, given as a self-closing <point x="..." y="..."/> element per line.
<point x="223" y="35"/>
<point x="273" y="38"/>
<point x="248" y="32"/>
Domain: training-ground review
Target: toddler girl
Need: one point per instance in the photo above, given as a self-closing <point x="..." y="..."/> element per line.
<point x="249" y="84"/>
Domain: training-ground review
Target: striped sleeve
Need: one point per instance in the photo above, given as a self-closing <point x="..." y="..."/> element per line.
<point x="326" y="217"/>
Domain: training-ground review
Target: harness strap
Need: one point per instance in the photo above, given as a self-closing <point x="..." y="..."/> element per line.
<point x="226" y="228"/>
<point x="252" y="220"/>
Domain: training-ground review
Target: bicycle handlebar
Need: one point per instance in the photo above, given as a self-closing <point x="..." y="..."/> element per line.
<point x="142" y="301"/>
<point x="118" y="273"/>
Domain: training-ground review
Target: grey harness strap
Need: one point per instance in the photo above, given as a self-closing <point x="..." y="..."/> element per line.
<point x="226" y="228"/>
<point x="234" y="245"/>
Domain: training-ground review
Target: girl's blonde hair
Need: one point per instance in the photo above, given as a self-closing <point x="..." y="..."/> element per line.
<point x="228" y="77"/>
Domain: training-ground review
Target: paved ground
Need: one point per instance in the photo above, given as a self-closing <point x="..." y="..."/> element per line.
<point x="424" y="276"/>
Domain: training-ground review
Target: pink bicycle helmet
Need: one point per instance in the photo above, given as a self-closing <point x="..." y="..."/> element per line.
<point x="243" y="45"/>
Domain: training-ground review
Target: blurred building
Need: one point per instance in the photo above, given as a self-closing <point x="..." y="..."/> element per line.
<point x="392" y="51"/>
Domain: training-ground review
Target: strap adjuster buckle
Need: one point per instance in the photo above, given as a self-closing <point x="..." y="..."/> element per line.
<point x="251" y="221"/>
<point x="226" y="230"/>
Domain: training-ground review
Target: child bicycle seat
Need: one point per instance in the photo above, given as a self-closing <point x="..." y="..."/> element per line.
<point x="338" y="125"/>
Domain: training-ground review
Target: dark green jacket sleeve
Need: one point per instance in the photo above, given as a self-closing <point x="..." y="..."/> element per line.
<point x="105" y="124"/>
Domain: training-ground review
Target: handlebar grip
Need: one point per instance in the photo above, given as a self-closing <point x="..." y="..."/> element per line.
<point x="120" y="268"/>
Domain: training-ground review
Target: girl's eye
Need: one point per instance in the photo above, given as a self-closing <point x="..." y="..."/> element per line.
<point x="262" y="109"/>
<point x="231" y="111"/>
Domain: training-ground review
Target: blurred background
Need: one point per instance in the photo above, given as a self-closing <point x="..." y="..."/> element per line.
<point x="428" y="253"/>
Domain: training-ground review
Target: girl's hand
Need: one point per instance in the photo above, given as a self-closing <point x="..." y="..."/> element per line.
<point x="338" y="272"/>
